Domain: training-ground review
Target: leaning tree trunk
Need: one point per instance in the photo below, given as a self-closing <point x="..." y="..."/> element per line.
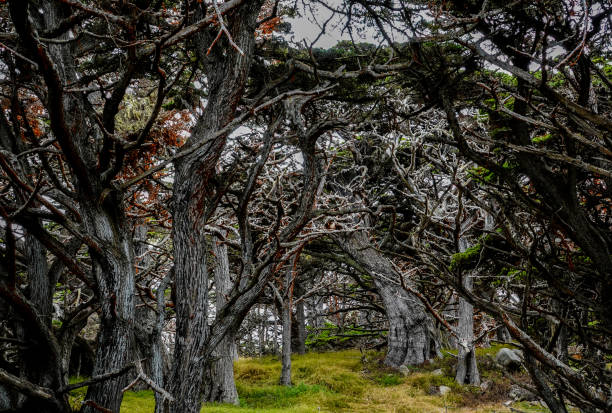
<point x="219" y="384"/>
<point x="411" y="340"/>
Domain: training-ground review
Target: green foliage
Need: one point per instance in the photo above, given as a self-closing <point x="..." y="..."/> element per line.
<point x="275" y="396"/>
<point x="542" y="138"/>
<point x="481" y="174"/>
<point x="389" y="380"/>
<point x="461" y="259"/>
<point x="332" y="334"/>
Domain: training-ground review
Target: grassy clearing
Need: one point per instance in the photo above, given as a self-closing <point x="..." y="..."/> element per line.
<point x="349" y="381"/>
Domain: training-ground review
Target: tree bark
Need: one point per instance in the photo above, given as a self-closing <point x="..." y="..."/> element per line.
<point x="285" y="299"/>
<point x="194" y="199"/>
<point x="467" y="369"/>
<point x="411" y="340"/>
<point x="299" y="343"/>
<point x="285" y="379"/>
<point x="115" y="276"/>
<point x="99" y="204"/>
<point x="219" y="384"/>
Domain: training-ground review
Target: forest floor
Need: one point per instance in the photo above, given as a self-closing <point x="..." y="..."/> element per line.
<point x="351" y="381"/>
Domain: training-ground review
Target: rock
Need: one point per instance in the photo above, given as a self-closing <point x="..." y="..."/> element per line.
<point x="404" y="371"/>
<point x="519" y="394"/>
<point x="437" y="372"/>
<point x="433" y="390"/>
<point x="508" y="359"/>
<point x="444" y="390"/>
<point x="485" y="386"/>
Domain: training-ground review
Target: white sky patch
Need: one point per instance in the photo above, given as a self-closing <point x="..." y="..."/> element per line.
<point x="309" y="24"/>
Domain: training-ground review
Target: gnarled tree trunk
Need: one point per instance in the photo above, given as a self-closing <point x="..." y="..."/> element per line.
<point x="411" y="340"/>
<point x="114" y="272"/>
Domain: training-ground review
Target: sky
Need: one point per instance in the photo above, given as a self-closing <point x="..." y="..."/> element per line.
<point x="308" y="24"/>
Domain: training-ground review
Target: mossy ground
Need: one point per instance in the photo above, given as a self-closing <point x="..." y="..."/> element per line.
<point x="349" y="381"/>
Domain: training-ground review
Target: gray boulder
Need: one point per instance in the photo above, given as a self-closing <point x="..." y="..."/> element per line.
<point x="508" y="359"/>
<point x="444" y="390"/>
<point x="437" y="372"/>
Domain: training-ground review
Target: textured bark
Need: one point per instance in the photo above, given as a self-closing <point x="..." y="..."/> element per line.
<point x="158" y="365"/>
<point x="285" y="303"/>
<point x="144" y="330"/>
<point x="219" y="384"/>
<point x="193" y="201"/>
<point x="411" y="340"/>
<point x="467" y="369"/>
<point x="99" y="205"/>
<point x="115" y="276"/>
<point x="37" y="366"/>
<point x="190" y="286"/>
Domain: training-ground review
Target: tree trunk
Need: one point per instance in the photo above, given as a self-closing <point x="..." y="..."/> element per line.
<point x="411" y="340"/>
<point x="219" y="384"/>
<point x="194" y="198"/>
<point x="158" y="351"/>
<point x="502" y="334"/>
<point x="100" y="206"/>
<point x="299" y="343"/>
<point x="285" y="379"/>
<point x="191" y="290"/>
<point x="145" y="329"/>
<point x="467" y="369"/>
<point x="115" y="276"/>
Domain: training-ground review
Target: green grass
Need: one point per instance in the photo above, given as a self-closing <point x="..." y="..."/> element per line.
<point x="345" y="381"/>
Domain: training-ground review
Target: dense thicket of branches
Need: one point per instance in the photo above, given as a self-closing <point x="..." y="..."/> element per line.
<point x="460" y="166"/>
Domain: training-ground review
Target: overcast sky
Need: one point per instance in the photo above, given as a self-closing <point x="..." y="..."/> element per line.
<point x="308" y="25"/>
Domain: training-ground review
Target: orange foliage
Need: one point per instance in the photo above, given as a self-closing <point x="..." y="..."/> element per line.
<point x="268" y="27"/>
<point x="149" y="197"/>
